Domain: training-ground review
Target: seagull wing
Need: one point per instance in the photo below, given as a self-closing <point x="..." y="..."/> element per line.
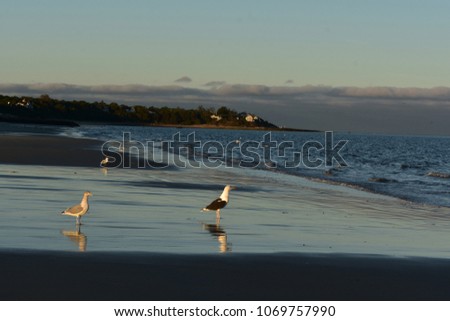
<point x="216" y="204"/>
<point x="74" y="210"/>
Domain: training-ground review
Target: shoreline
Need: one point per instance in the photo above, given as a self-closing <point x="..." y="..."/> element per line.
<point x="281" y="276"/>
<point x="277" y="129"/>
<point x="63" y="123"/>
<point x="55" y="150"/>
<point x="207" y="126"/>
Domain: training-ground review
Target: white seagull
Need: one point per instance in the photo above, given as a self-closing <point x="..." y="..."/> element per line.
<point x="80" y="209"/>
<point x="104" y="161"/>
<point x="220" y="202"/>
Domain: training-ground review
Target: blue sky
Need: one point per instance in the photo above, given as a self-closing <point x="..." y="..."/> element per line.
<point x="364" y="44"/>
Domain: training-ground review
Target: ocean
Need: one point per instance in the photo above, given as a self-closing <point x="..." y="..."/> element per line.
<point x="412" y="168"/>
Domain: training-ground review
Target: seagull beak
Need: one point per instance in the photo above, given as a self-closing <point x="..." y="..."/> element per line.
<point x="233" y="187"/>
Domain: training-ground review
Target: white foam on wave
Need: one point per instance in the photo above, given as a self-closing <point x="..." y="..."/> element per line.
<point x="438" y="174"/>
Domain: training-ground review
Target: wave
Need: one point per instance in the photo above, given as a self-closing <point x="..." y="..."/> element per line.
<point x="438" y="174"/>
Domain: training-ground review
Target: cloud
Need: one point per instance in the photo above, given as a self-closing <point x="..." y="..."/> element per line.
<point x="241" y="90"/>
<point x="214" y="83"/>
<point x="289" y="81"/>
<point x="220" y="89"/>
<point x="376" y="109"/>
<point x="184" y="79"/>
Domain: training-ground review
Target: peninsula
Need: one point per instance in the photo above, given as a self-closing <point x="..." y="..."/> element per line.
<point x="46" y="110"/>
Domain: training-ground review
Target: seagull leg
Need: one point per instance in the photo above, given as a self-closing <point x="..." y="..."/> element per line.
<point x="78" y="221"/>
<point x="218" y="215"/>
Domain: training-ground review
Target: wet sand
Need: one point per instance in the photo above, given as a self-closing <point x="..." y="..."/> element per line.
<point x="49" y="150"/>
<point x="144" y="237"/>
<point x="37" y="275"/>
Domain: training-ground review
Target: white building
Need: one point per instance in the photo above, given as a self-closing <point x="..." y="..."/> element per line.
<point x="251" y="118"/>
<point x="25" y="103"/>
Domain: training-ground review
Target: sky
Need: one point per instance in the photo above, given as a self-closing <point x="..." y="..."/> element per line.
<point x="372" y="66"/>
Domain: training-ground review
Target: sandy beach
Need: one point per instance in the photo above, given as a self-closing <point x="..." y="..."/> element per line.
<point x="145" y="238"/>
<point x="37" y="275"/>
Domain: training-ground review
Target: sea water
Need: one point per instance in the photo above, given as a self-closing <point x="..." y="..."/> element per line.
<point x="414" y="168"/>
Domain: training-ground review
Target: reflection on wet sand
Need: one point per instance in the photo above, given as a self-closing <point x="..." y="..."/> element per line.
<point x="77" y="237"/>
<point x="218" y="232"/>
<point x="104" y="171"/>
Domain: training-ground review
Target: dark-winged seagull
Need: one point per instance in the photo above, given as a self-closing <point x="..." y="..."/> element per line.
<point x="220" y="202"/>
<point x="80" y="209"/>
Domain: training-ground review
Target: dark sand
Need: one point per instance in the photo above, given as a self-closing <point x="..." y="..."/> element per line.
<point x="50" y="151"/>
<point x="62" y="151"/>
<point x="143" y="276"/>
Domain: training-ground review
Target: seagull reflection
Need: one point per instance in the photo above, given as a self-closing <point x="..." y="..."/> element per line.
<point x="218" y="232"/>
<point x="77" y="237"/>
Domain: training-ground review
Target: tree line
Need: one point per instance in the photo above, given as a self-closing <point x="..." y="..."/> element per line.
<point x="45" y="107"/>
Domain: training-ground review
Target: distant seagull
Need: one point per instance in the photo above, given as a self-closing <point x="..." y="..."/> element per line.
<point x="79" y="209"/>
<point x="219" y="203"/>
<point x="104" y="161"/>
